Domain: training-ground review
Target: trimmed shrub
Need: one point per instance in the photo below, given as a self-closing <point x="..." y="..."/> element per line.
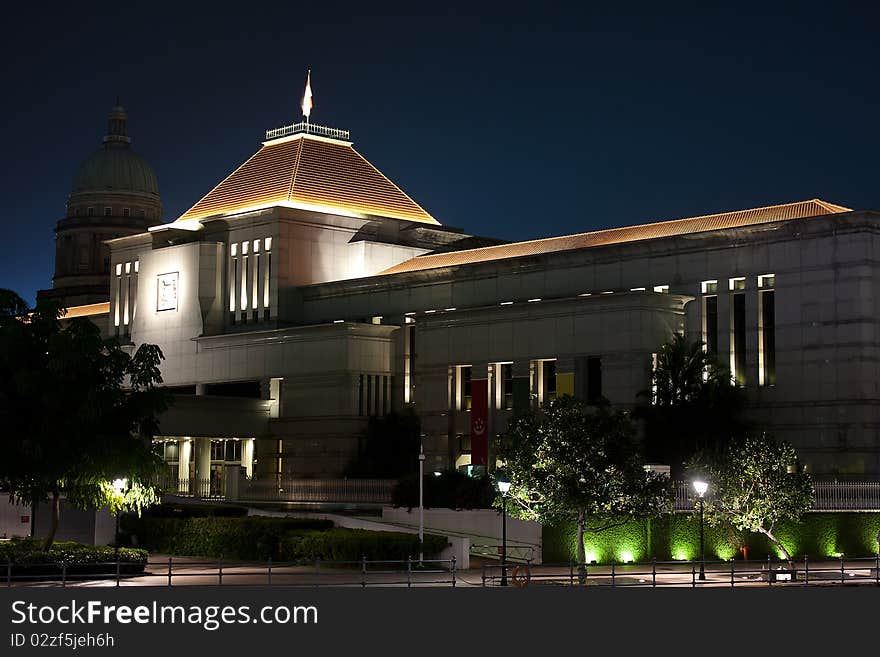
<point x="250" y="537"/>
<point x="195" y="511"/>
<point x="282" y="539"/>
<point x="28" y="558"/>
<point x="677" y="537"/>
<point x="450" y="490"/>
<point x="341" y="544"/>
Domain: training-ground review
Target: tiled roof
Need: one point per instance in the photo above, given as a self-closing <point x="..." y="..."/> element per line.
<point x="312" y="172"/>
<point x="798" y="210"/>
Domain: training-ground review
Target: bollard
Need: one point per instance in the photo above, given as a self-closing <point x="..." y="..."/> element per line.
<point x="806" y="571"/>
<point x="8" y="573"/>
<point x="453" y="571"/>
<point x="693" y="574"/>
<point x="613" y="583"/>
<point x="732" y="572"/>
<point x="769" y="573"/>
<point x="654" y="572"/>
<point x="269" y="571"/>
<point x="409" y="571"/>
<point x="483" y="568"/>
<point x="364" y="571"/>
<point x="841" y="569"/>
<point x="117" y="568"/>
<point x="169" y="571"/>
<point x="220" y="571"/>
<point x="570" y="572"/>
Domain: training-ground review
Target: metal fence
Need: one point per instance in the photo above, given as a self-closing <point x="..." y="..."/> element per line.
<point x="189" y="572"/>
<point x="728" y="574"/>
<point x="350" y="491"/>
<point x="828" y="495"/>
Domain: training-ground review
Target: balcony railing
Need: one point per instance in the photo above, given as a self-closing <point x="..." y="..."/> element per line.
<point x="828" y="495"/>
<point x="307" y="128"/>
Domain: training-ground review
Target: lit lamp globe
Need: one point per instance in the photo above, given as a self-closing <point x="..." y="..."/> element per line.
<point x="701" y="487"/>
<point x="503" y="486"/>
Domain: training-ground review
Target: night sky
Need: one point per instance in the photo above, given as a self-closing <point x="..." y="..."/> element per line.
<point x="511" y="124"/>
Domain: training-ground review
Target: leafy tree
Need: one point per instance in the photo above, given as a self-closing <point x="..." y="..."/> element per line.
<point x="755" y="483"/>
<point x="78" y="412"/>
<point x="693" y="407"/>
<point x="389" y="447"/>
<point x="574" y="462"/>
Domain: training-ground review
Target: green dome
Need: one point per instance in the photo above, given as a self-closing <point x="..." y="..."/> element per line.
<point x="115" y="168"/>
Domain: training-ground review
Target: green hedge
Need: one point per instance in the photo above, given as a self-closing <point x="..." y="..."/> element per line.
<point x="282" y="539"/>
<point x="195" y="511"/>
<point x="28" y="558"/>
<point x="353" y="544"/>
<point x="677" y="537"/>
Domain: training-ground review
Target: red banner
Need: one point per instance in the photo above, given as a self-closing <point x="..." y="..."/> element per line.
<point x="479" y="422"/>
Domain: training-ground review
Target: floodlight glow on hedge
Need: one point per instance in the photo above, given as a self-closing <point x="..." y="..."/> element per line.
<point x="120" y="484"/>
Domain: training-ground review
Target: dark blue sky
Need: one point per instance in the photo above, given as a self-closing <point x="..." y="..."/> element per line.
<point x="517" y="124"/>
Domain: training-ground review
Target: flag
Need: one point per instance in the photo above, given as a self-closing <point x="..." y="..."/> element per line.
<point x="479" y="422"/>
<point x="307" y="97"/>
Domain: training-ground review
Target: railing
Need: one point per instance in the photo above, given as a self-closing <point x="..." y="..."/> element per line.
<point x="730" y="574"/>
<point x="189" y="572"/>
<point x="307" y="128"/>
<point x="828" y="495"/>
<point x="201" y="488"/>
<point x="346" y="491"/>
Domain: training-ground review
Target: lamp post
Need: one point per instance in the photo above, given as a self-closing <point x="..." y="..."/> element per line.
<point x="503" y="487"/>
<point x="421" y="502"/>
<point x="701" y="487"/>
<point x="119" y="485"/>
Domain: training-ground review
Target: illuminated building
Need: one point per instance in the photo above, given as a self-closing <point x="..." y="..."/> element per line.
<point x="307" y="292"/>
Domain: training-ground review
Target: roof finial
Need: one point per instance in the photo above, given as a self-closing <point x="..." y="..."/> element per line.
<point x="307" y="97"/>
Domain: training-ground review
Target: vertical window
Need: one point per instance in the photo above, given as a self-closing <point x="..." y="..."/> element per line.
<point x="244" y="276"/>
<point x="506" y="376"/>
<point x="126" y="212"/>
<point x="117" y="291"/>
<point x="548" y="380"/>
<point x="767" y="329"/>
<point x="738" y="330"/>
<point x="464" y="379"/>
<point x="256" y="283"/>
<point x="108" y="212"/>
<point x="369" y="394"/>
<point x="267" y="275"/>
<point x="91" y="212"/>
<point x="410" y="364"/>
<point x="710" y="316"/>
<point x="233" y="280"/>
<point x="594" y="379"/>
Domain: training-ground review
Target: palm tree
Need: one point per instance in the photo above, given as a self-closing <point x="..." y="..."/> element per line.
<point x="693" y="405"/>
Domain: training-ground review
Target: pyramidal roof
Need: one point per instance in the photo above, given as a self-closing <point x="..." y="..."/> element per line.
<point x="309" y="171"/>
<point x="689" y="225"/>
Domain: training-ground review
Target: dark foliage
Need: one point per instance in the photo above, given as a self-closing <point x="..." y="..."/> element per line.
<point x="450" y="490"/>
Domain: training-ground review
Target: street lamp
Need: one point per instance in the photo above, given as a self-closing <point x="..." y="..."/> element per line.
<point x="421" y="501"/>
<point x="503" y="487"/>
<point x="701" y="487"/>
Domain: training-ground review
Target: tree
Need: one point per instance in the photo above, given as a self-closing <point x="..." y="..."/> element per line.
<point x="389" y="448"/>
<point x="574" y="462"/>
<point x="755" y="483"/>
<point x="694" y="406"/>
<point x="78" y="412"/>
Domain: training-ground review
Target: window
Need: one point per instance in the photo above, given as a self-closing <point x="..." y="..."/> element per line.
<point x="594" y="379"/>
<point x="108" y="212"/>
<point x="126" y="212"/>
<point x="91" y="212"/>
<point x="464" y="387"/>
<point x="661" y="289"/>
<point x="506" y="375"/>
<point x="738" y="330"/>
<point x="767" y="330"/>
<point x="361" y="395"/>
<point x="548" y="380"/>
<point x="710" y="316"/>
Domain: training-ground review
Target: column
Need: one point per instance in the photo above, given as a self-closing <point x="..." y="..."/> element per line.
<point x="184" y="458"/>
